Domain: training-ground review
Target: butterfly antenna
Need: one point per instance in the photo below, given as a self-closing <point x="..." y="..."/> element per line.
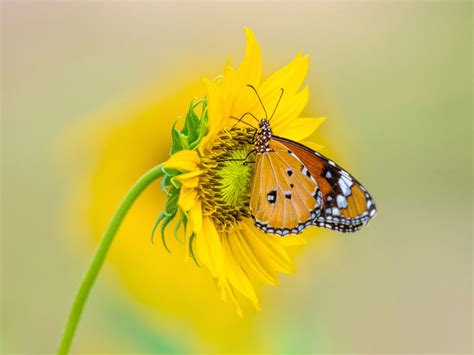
<point x="241" y="121"/>
<point x="278" y="102"/>
<point x="259" y="99"/>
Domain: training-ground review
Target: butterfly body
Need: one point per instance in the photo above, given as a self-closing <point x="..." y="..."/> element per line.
<point x="295" y="187"/>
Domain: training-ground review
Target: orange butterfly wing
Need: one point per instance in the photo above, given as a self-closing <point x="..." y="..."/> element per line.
<point x="346" y="204"/>
<point x="285" y="197"/>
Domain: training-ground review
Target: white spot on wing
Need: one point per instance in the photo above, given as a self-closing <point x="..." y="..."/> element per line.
<point x="347" y="179"/>
<point x="345" y="173"/>
<point x="344" y="188"/>
<point x="345" y="185"/>
<point x="341" y="201"/>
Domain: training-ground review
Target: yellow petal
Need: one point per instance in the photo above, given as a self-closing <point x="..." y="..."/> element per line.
<point x="209" y="247"/>
<point x="226" y="289"/>
<point x="289" y="110"/>
<point x="194" y="226"/>
<point x="250" y="70"/>
<point x="229" y="82"/>
<point x="195" y="218"/>
<point x="187" y="198"/>
<point x="190" y="179"/>
<point x="217" y="111"/>
<point x="292" y="241"/>
<point x="250" y="259"/>
<point x="300" y="128"/>
<point x="270" y="249"/>
<point x="237" y="276"/>
<point x="232" y="97"/>
<point x="289" y="78"/>
<point x="185" y="160"/>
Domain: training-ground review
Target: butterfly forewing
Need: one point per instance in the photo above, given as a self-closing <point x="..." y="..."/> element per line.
<point x="285" y="197"/>
<point x="346" y="204"/>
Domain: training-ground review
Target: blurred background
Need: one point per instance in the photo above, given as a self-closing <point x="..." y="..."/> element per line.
<point x="89" y="90"/>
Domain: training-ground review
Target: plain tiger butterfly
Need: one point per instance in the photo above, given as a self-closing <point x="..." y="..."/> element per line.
<point x="295" y="187"/>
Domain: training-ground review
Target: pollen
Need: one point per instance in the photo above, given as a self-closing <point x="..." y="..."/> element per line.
<point x="225" y="185"/>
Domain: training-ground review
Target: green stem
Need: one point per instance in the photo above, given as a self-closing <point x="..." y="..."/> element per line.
<point x="96" y="264"/>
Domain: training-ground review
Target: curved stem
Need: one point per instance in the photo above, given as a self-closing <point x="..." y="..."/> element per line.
<point x="98" y="260"/>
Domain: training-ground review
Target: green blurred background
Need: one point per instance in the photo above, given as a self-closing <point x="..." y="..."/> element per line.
<point x="394" y="80"/>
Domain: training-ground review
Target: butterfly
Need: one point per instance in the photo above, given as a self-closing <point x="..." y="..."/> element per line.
<point x="295" y="187"/>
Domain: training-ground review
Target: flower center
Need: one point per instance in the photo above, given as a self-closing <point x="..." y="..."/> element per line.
<point x="225" y="185"/>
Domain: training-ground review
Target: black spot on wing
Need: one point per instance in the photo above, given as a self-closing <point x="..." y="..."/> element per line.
<point x="272" y="196"/>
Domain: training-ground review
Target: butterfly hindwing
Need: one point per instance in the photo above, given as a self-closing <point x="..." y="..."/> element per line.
<point x="285" y="196"/>
<point x="346" y="204"/>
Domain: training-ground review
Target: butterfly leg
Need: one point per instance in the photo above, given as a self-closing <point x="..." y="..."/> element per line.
<point x="243" y="159"/>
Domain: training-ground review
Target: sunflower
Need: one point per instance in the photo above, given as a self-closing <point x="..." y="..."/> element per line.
<point x="208" y="184"/>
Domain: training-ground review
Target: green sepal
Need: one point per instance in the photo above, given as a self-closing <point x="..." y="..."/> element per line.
<point x="176" y="143"/>
<point x="195" y="127"/>
<point x="172" y="201"/>
<point x="191" y="252"/>
<point x="167" y="220"/>
<point x="171" y="209"/>
<point x="192" y="125"/>
<point x="177" y="225"/>
<point x="166" y="182"/>
<point x="203" y="128"/>
<point x="157" y="223"/>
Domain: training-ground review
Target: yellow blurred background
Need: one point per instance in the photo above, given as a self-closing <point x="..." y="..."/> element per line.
<point x="394" y="80"/>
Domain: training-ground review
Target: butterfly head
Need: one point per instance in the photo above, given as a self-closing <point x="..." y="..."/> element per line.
<point x="264" y="124"/>
<point x="264" y="133"/>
